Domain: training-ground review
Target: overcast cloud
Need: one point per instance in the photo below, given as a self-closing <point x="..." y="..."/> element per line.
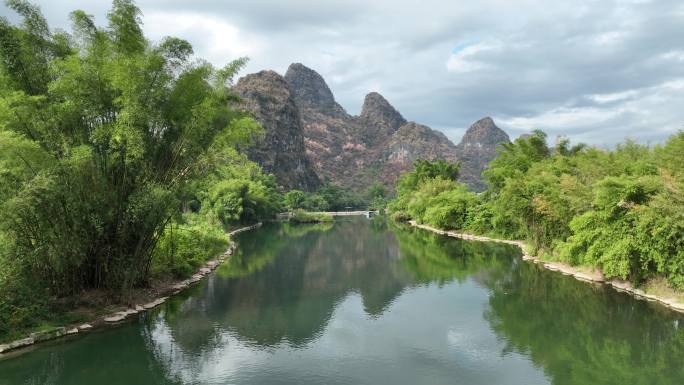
<point x="595" y="71"/>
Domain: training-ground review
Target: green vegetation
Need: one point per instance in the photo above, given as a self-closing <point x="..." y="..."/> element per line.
<point x="376" y="196"/>
<point x="186" y="245"/>
<point x="621" y="210"/>
<point x="118" y="161"/>
<point x="328" y="197"/>
<point x="430" y="194"/>
<point x="430" y="257"/>
<point x="301" y="216"/>
<point x="564" y="327"/>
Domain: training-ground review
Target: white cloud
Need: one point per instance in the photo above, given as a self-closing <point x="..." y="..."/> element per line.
<point x="214" y="38"/>
<point x="468" y="58"/>
<point x="609" y="38"/>
<point x="592" y="70"/>
<point x="648" y="115"/>
<point x="612" y="97"/>
<point x="676" y="55"/>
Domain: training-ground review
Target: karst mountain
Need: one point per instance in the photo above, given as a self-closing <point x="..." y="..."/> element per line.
<point x="309" y="138"/>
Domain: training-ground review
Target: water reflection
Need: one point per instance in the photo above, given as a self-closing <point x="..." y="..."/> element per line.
<point x="584" y="334"/>
<point x="269" y="300"/>
<point x="285" y="283"/>
<point x="370" y="302"/>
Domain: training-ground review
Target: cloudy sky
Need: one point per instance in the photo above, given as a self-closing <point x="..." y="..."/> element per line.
<point x="597" y="71"/>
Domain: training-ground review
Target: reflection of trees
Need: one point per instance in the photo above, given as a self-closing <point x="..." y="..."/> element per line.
<point x="283" y="285"/>
<point x="117" y="356"/>
<point x="435" y="258"/>
<point x="265" y="299"/>
<point x="581" y="334"/>
<point x="297" y="230"/>
<point x="285" y="280"/>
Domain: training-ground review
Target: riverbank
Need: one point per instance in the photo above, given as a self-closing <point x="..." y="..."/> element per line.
<point x="671" y="300"/>
<point x="366" y="213"/>
<point x="140" y="301"/>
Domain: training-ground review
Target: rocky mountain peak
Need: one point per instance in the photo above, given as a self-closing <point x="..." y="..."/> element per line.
<point x="477" y="148"/>
<point x="267" y="96"/>
<point x="264" y="83"/>
<point x="484" y="132"/>
<point x="310" y="90"/>
<point x="309" y="137"/>
<point x="379" y="112"/>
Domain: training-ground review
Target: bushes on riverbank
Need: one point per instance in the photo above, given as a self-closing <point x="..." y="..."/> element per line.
<point x="430" y="194"/>
<point x="185" y="246"/>
<point x="619" y="210"/>
<point x="301" y="216"/>
<point x="22" y="302"/>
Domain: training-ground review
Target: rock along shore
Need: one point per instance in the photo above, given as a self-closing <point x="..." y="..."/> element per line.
<point x="586" y="275"/>
<point x="124" y="314"/>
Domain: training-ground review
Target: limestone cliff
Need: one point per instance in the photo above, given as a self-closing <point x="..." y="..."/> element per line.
<point x="379" y="119"/>
<point x="281" y="151"/>
<point x="307" y="129"/>
<point x="477" y="148"/>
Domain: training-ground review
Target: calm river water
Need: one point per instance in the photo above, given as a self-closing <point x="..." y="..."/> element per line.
<point x="361" y="302"/>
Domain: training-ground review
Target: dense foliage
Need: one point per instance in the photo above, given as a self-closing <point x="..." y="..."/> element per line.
<point x="302" y="216"/>
<point x="621" y="210"/>
<point x="117" y="157"/>
<point x="376" y="196"/>
<point x="328" y="197"/>
<point x="430" y="194"/>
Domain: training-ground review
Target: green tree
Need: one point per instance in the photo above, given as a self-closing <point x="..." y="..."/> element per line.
<point x="316" y="202"/>
<point x="423" y="170"/>
<point x="430" y="194"/>
<point x="112" y="129"/>
<point x="294" y="199"/>
<point x="376" y="190"/>
<point x="376" y="196"/>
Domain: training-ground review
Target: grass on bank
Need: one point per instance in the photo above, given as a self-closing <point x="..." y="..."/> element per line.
<point x="301" y="216"/>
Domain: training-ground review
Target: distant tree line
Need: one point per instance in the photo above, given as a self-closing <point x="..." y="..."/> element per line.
<point x="330" y="197"/>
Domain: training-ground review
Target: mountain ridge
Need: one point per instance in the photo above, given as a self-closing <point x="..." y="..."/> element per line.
<point x="268" y="97"/>
<point x="356" y="150"/>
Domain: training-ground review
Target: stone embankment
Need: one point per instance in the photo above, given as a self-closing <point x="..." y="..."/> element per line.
<point x="124" y="314"/>
<point x="580" y="273"/>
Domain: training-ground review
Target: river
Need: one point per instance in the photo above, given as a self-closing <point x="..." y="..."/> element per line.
<point x="363" y="302"/>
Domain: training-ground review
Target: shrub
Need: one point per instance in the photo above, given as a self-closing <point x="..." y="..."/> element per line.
<point x="184" y="247"/>
<point x="400" y="216"/>
<point x="449" y="209"/>
<point x="301" y="216"/>
<point x="22" y="303"/>
<point x="633" y="232"/>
